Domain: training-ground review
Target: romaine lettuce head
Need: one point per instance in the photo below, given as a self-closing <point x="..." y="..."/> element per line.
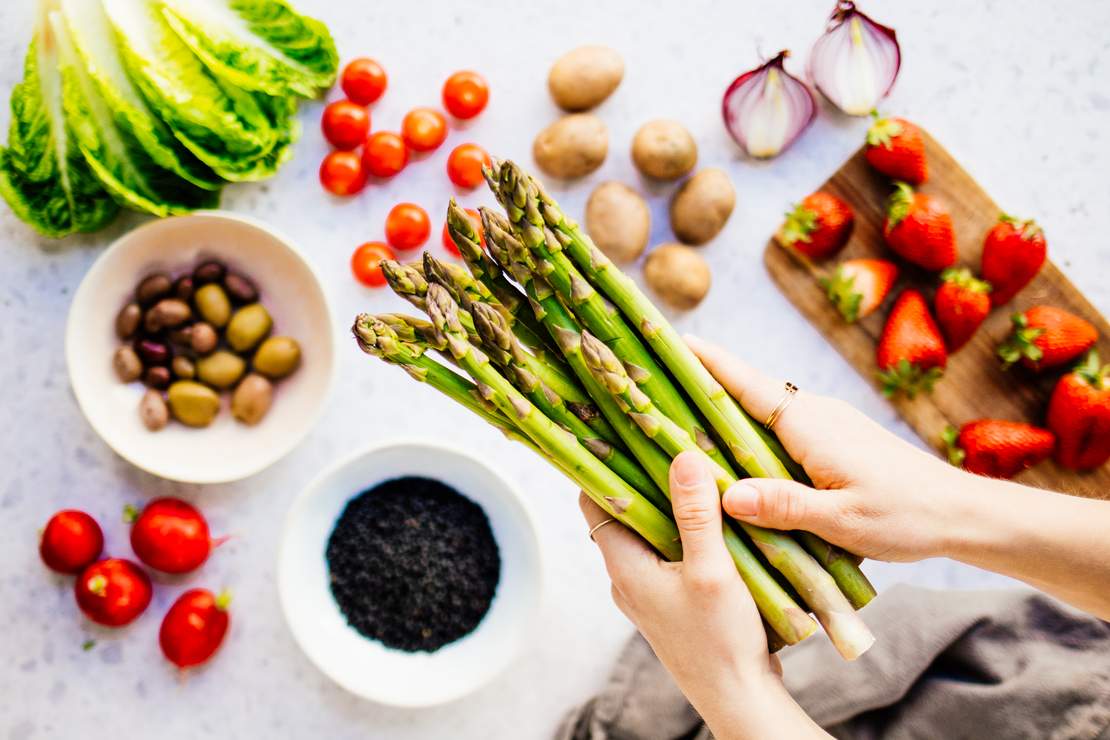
<point x="43" y="174"/>
<point x="116" y="157"/>
<point x="259" y="45"/>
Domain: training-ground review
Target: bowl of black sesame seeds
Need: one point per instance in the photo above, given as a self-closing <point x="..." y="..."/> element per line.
<point x="410" y="573"/>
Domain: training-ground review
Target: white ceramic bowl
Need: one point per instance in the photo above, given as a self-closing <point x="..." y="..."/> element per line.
<point x="366" y="667"/>
<point x="226" y="450"/>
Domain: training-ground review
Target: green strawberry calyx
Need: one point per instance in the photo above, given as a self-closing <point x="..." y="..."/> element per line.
<point x="899" y="204"/>
<point x="908" y="378"/>
<point x="964" y="278"/>
<point x="1092" y="372"/>
<point x="951" y="438"/>
<point x="1021" y="343"/>
<point x="799" y="225"/>
<point x="1027" y="227"/>
<point x="883" y="131"/>
<point x="841" y="290"/>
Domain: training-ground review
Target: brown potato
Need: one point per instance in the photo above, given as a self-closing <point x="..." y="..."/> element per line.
<point x="702" y="205"/>
<point x="618" y="220"/>
<point x="584" y="77"/>
<point x="573" y="146"/>
<point x="664" y="150"/>
<point x="678" y="274"/>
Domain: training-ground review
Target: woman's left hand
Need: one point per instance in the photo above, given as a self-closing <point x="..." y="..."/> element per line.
<point x="698" y="616"/>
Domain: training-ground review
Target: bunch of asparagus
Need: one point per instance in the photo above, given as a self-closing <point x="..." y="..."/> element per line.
<point x="547" y="340"/>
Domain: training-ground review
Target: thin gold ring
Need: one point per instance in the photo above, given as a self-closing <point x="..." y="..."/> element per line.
<point x="787" y="397"/>
<point x="599" y="525"/>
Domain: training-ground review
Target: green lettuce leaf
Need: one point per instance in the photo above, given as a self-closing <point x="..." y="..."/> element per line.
<point x="43" y="174"/>
<point x="259" y="45"/>
<point x="117" y="159"/>
<point x="94" y="40"/>
<point x="223" y="125"/>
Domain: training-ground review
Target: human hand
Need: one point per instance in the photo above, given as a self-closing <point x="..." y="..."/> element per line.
<point x="697" y="614"/>
<point x="878" y="496"/>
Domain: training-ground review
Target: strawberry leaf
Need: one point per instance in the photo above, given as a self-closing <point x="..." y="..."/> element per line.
<point x="898" y="207"/>
<point x="964" y="278"/>
<point x="1091" y="371"/>
<point x="951" y="438"/>
<point x="800" y="224"/>
<point x="841" y="290"/>
<point x="883" y="131"/>
<point x="1021" y="343"/>
<point x="908" y="378"/>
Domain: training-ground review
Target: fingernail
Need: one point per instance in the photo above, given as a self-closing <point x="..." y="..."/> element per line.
<point x="742" y="499"/>
<point x="688" y="470"/>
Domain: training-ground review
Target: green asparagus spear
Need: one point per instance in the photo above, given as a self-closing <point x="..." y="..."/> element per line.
<point x="848" y="633"/>
<point x="605" y="487"/>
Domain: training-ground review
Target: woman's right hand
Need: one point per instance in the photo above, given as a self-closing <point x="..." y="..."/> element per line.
<point x="875" y="495"/>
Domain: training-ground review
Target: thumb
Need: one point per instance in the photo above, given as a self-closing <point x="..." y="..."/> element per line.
<point x="696" y="503"/>
<point x="784" y="504"/>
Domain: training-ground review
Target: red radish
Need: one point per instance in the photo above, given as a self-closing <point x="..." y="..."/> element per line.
<point x="71" y="540"/>
<point x="113" y="591"/>
<point x="194" y="627"/>
<point x="170" y="535"/>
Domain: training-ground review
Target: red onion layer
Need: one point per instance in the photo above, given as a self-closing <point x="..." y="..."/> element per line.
<point x="855" y="63"/>
<point x="767" y="109"/>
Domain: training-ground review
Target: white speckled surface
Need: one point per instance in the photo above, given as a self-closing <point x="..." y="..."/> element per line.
<point x="1016" y="90"/>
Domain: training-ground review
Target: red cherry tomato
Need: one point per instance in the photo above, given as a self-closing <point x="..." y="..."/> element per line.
<point x="113" y="591"/>
<point x="363" y="81"/>
<point x="345" y="124"/>
<point x="366" y="263"/>
<point x="194" y="627"/>
<point x="465" y="94"/>
<point x="342" y="173"/>
<point x="71" y="540"/>
<point x="170" y="535"/>
<point x="465" y="163"/>
<point x="423" y="129"/>
<point x="385" y="154"/>
<point x="449" y="243"/>
<point x="407" y="226"/>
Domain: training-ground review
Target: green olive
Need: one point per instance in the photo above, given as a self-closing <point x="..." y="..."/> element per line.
<point x="221" y="369"/>
<point x="251" y="399"/>
<point x="277" y="357"/>
<point x="213" y="304"/>
<point x="192" y="403"/>
<point x="248" y="327"/>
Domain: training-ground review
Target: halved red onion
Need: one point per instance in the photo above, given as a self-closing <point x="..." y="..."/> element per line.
<point x="855" y="63"/>
<point x="766" y="109"/>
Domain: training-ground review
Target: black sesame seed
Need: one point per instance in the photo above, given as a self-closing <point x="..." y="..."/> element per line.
<point x="413" y="564"/>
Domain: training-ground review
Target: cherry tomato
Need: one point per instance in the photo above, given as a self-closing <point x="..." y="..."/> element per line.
<point x="113" y="591"/>
<point x="407" y="226"/>
<point x="342" y="173"/>
<point x="70" y="541"/>
<point x="423" y="129"/>
<point x="170" y="535"/>
<point x="465" y="163"/>
<point x="345" y="124"/>
<point x="465" y="94"/>
<point x="363" y="80"/>
<point x="385" y="154"/>
<point x="449" y="243"/>
<point x="194" y="627"/>
<point x="366" y="263"/>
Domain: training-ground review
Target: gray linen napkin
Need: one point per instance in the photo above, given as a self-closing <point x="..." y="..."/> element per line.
<point x="946" y="664"/>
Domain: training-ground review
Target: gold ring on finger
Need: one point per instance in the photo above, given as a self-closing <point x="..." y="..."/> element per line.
<point x="787" y="397"/>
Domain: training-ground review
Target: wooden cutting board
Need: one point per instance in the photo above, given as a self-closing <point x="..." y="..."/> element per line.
<point x="974" y="385"/>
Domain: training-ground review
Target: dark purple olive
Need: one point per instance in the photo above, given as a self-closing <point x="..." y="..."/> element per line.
<point x="153" y="288"/>
<point x="183" y="288"/>
<point x="211" y="271"/>
<point x="157" y="377"/>
<point x="240" y="289"/>
<point x="153" y="353"/>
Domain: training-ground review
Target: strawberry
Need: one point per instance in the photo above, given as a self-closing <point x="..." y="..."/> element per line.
<point x="1013" y="253"/>
<point x="818" y="227"/>
<point x="919" y="228"/>
<point x="998" y="448"/>
<point x="911" y="354"/>
<point x="896" y="148"/>
<point x="1079" y="414"/>
<point x="962" y="303"/>
<point x="858" y="287"/>
<point x="1046" y="336"/>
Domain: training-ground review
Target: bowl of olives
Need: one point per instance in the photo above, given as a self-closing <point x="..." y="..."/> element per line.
<point x="200" y="347"/>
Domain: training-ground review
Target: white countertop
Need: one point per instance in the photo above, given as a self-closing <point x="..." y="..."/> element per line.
<point x="1016" y="90"/>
